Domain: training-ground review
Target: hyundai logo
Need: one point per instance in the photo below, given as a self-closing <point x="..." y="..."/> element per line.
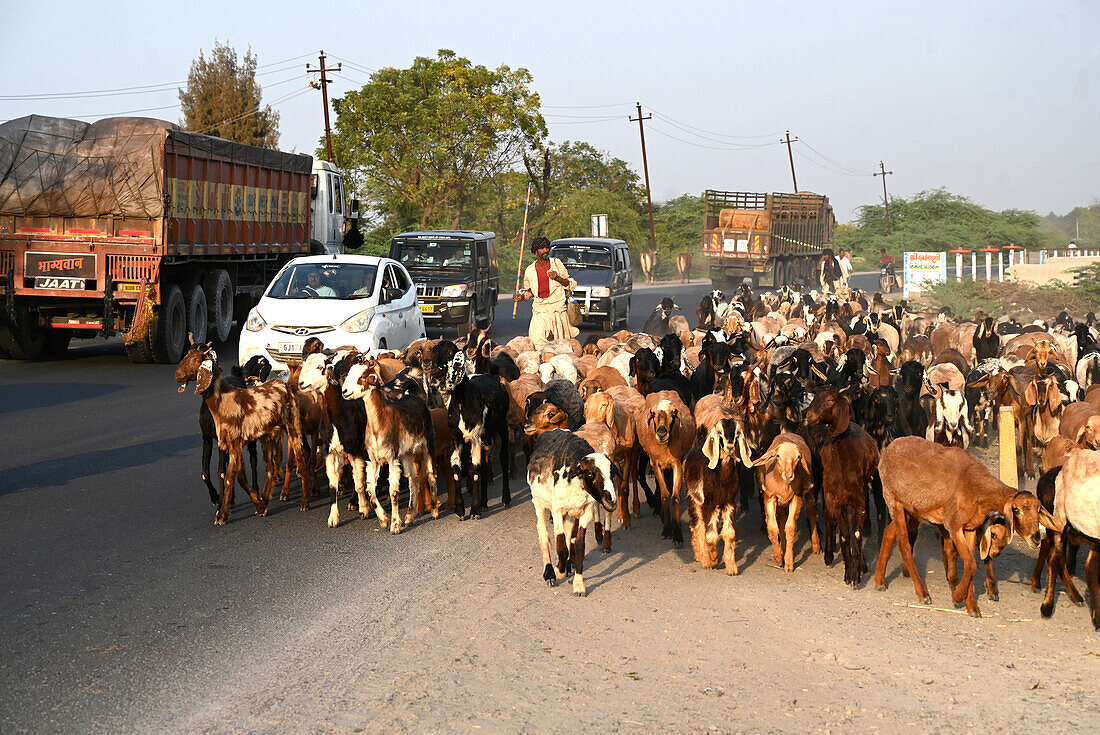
<point x="301" y="331"/>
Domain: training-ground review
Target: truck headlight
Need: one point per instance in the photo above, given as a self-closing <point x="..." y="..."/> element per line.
<point x="255" y="322"/>
<point x="359" y="322"/>
<point x="450" y="292"/>
<point x="601" y="292"/>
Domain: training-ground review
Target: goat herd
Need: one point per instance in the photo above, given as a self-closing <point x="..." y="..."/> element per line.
<point x="793" y="397"/>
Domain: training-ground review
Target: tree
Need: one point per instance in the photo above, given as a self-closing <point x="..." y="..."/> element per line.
<point x="428" y="137"/>
<point x="222" y="98"/>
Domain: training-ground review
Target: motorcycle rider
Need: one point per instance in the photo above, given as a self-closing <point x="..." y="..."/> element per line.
<point x="886" y="262"/>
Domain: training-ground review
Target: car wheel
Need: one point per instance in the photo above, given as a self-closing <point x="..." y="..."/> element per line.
<point x="488" y="320"/>
<point x="471" y="320"/>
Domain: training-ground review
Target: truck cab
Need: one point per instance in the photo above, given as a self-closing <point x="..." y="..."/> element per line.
<point x="330" y="210"/>
<point x="455" y="273"/>
<point x="605" y="283"/>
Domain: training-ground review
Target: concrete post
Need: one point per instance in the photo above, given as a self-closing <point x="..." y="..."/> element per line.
<point x="1006" y="438"/>
<point x="988" y="267"/>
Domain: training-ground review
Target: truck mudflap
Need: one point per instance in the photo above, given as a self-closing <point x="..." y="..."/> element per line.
<point x="143" y="315"/>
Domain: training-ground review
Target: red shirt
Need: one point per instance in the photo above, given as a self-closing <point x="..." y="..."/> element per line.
<point x="544" y="280"/>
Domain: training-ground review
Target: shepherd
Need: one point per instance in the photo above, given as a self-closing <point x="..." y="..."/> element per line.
<point x="547" y="283"/>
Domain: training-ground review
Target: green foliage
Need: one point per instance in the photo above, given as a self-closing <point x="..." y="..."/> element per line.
<point x="222" y="98"/>
<point x="1059" y="231"/>
<point x="936" y="220"/>
<point x="965" y="297"/>
<point x="679" y="223"/>
<point x="1088" y="282"/>
<point x="419" y="143"/>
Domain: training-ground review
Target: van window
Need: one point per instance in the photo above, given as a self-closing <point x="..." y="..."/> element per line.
<point x="620" y="263"/>
<point x="331" y="194"/>
<point x="338" y="194"/>
<point x="626" y="259"/>
<point x="479" y="251"/>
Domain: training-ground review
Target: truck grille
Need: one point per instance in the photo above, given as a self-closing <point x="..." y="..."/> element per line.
<point x="132" y="267"/>
<point x="429" y="291"/>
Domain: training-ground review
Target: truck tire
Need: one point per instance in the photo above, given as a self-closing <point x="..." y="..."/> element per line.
<point x="219" y="294"/>
<point x="197" y="323"/>
<point x="169" y="328"/>
<point x="140" y="352"/>
<point x="26" y="341"/>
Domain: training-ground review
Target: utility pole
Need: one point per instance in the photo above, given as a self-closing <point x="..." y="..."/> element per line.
<point x="791" y="157"/>
<point x="323" y="86"/>
<point x="645" y="167"/>
<point x="884" y="173"/>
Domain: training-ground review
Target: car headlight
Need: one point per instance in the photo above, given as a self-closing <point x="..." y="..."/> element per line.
<point x="255" y="322"/>
<point x="601" y="292"/>
<point x="359" y="322"/>
<point x="450" y="292"/>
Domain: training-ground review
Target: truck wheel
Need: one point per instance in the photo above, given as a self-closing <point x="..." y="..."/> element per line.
<point x="471" y="320"/>
<point x="170" y="328"/>
<point x="140" y="352"/>
<point x="490" y="316"/>
<point x="219" y="294"/>
<point x="6" y="342"/>
<point x="197" y="323"/>
<point x="27" y="342"/>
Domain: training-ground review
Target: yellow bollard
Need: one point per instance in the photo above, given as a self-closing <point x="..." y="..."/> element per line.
<point x="1006" y="437"/>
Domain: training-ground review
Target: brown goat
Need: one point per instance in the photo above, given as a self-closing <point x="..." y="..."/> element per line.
<point x="399" y="433"/>
<point x="785" y="477"/>
<point x="1081" y="424"/>
<point x="949" y="487"/>
<point x="315" y="425"/>
<point x="242" y="415"/>
<point x="600" y="378"/>
<point x="849" y="456"/>
<point x="602" y="408"/>
<point x="602" y="440"/>
<point x="545" y="417"/>
<point x="710" y="476"/>
<point x="666" y="431"/>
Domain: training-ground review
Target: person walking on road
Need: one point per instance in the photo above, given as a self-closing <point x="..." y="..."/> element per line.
<point x="547" y="283"/>
<point x="845" y="269"/>
<point x="828" y="272"/>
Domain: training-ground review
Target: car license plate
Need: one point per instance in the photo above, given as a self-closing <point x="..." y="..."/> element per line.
<point x="75" y="284"/>
<point x="291" y="348"/>
<point x="427" y="308"/>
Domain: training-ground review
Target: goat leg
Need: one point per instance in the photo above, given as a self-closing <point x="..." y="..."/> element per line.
<point x="548" y="575"/>
<point x="1092" y="579"/>
<point x="790" y="532"/>
<point x="810" y="503"/>
<point x="577" y="558"/>
<point x="505" y="468"/>
<point x="676" y="499"/>
<point x="729" y="540"/>
<point x="1041" y="562"/>
<point x="901" y="529"/>
<point x="395" y="496"/>
<point x="964" y="591"/>
<point x="1055" y="562"/>
<point x="889" y="535"/>
<point x="207" y="450"/>
<point x="562" y="543"/>
<point x="770" y="517"/>
<point x="991" y="590"/>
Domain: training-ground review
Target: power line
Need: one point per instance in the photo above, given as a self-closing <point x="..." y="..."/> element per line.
<point x="700" y="145"/>
<point x="142" y="89"/>
<point x="670" y="119"/>
<point x="585" y="107"/>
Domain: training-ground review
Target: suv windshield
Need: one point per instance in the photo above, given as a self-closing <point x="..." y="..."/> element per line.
<point x="582" y="256"/>
<point x="428" y="254"/>
<point x="324" y="281"/>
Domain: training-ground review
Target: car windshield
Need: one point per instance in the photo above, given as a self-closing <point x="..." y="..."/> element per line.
<point x="582" y="256"/>
<point x="428" y="254"/>
<point x="324" y="281"/>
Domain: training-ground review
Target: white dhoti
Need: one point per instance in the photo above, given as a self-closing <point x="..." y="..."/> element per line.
<point x="549" y="316"/>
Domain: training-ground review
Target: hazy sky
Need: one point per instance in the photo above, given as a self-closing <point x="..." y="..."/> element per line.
<point x="998" y="101"/>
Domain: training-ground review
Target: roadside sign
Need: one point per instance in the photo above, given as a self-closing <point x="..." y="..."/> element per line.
<point x="922" y="270"/>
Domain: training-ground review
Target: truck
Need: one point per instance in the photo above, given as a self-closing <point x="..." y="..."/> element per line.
<point x="756" y="237"/>
<point x="134" y="227"/>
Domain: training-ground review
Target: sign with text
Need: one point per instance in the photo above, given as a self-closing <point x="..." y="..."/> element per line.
<point x="922" y="270"/>
<point x="59" y="265"/>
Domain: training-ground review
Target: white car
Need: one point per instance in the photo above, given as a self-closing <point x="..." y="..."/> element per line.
<point x="359" y="300"/>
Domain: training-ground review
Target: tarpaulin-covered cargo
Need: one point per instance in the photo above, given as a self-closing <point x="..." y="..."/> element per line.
<point x="100" y="220"/>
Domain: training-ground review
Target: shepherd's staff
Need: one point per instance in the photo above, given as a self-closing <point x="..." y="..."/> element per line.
<point x="522" y="246"/>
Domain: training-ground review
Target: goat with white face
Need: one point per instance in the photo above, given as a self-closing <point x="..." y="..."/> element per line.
<point x="950" y="419"/>
<point x="568" y="481"/>
<point x="710" y="476"/>
<point x="399" y="433"/>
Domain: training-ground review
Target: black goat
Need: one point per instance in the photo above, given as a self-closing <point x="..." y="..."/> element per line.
<point x="986" y="341"/>
<point x="882" y="415"/>
<point x="913" y="419"/>
<point x="644" y="368"/>
<point x="657" y="323"/>
<point x="477" y="410"/>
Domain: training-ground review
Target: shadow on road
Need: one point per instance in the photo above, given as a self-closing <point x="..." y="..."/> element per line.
<point x="58" y="471"/>
<point x="24" y="396"/>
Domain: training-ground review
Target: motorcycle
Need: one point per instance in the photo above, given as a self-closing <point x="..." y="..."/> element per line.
<point x="888" y="281"/>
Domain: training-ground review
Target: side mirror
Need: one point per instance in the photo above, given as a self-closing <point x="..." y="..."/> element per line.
<point x="256" y="293"/>
<point x="353" y="208"/>
<point x="313" y="183"/>
<point x="391" y="294"/>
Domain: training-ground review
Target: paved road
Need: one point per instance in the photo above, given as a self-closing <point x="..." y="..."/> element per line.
<point x="126" y="610"/>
